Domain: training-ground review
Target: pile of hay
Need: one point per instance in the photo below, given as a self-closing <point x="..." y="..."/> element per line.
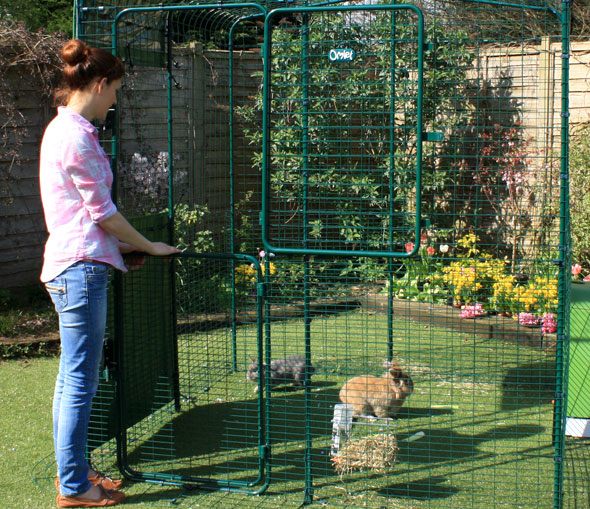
<point x="376" y="452"/>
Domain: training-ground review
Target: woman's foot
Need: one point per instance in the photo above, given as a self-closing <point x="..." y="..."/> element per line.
<point x="96" y="496"/>
<point x="99" y="479"/>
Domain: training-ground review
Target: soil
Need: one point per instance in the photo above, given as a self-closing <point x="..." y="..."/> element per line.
<point x="33" y="330"/>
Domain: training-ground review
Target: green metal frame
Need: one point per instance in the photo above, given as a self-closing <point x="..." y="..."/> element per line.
<point x="255" y="487"/>
<point x="262" y="482"/>
<point x="271" y="244"/>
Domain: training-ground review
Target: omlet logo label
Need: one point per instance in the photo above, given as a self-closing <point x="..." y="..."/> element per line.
<point x="341" y="55"/>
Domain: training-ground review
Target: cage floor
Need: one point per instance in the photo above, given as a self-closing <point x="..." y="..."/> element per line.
<point x="576" y="489"/>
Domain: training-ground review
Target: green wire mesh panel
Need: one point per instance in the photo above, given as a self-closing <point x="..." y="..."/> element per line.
<point x="343" y="140"/>
<point x="138" y="327"/>
<point x="476" y="427"/>
<point x="166" y="413"/>
<point x="471" y="306"/>
<point x="172" y="136"/>
<point x="471" y="314"/>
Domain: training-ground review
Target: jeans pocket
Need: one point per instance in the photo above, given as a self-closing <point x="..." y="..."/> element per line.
<point x="97" y="275"/>
<point x="57" y="290"/>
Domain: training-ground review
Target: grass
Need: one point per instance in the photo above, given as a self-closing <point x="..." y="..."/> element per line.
<point x="26" y="389"/>
<point x="484" y="407"/>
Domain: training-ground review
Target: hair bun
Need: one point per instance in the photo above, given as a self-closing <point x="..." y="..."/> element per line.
<point x="75" y="52"/>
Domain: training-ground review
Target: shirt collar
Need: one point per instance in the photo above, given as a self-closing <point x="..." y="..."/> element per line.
<point x="76" y="117"/>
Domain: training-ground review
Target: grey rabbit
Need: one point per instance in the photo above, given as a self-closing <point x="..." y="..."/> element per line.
<point x="382" y="396"/>
<point x="282" y="371"/>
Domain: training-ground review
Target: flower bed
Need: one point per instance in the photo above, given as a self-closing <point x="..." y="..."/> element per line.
<point x="479" y="284"/>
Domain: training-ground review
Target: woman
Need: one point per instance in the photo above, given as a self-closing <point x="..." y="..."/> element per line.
<point x="87" y="235"/>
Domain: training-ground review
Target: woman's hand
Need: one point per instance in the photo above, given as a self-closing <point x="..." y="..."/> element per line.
<point x="162" y="249"/>
<point x="134" y="260"/>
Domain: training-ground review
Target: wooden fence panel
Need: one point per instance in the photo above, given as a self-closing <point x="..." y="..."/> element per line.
<point x="22" y="227"/>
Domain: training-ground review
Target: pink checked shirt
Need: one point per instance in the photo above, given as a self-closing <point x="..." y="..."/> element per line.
<point x="76" y="179"/>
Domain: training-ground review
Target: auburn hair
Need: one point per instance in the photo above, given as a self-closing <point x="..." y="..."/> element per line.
<point x="83" y="64"/>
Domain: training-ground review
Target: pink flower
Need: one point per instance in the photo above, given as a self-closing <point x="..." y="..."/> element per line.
<point x="528" y="319"/>
<point x="586" y="279"/>
<point x="430" y="250"/>
<point x="549" y="325"/>
<point x="424" y="237"/>
<point x="409" y="247"/>
<point x="576" y="269"/>
<point x="472" y="311"/>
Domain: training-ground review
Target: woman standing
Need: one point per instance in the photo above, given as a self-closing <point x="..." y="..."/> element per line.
<point x="87" y="236"/>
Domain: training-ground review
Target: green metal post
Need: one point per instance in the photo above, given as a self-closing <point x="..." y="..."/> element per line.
<point x="308" y="495"/>
<point x="232" y="202"/>
<point x="232" y="205"/>
<point x="564" y="260"/>
<point x="171" y="239"/>
<point x="266" y="55"/>
<point x="391" y="192"/>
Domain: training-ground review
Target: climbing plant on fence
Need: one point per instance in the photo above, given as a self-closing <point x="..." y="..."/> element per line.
<point x="447" y="61"/>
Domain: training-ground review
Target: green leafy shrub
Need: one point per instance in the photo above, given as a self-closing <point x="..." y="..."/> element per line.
<point x="351" y="158"/>
<point x="196" y="292"/>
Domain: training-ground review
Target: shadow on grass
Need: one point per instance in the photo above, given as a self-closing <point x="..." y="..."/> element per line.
<point x="528" y="385"/>
<point x="429" y="488"/>
<point x="444" y="445"/>
<point x="219" y="426"/>
<point x="221" y="439"/>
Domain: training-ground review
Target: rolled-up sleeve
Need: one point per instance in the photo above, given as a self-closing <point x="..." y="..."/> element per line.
<point x="86" y="167"/>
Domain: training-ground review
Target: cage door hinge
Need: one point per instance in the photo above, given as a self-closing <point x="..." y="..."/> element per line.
<point x="264" y="451"/>
<point x="261" y="289"/>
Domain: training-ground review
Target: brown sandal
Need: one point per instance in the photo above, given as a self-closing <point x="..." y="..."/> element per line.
<point x="109" y="498"/>
<point x="99" y="479"/>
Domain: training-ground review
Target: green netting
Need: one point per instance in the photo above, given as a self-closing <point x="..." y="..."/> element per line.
<point x="141" y="339"/>
<point x="397" y="176"/>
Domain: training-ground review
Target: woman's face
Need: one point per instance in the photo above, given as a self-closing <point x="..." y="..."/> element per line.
<point x="106" y="97"/>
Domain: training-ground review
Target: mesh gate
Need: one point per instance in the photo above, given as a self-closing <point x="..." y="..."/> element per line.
<point x="344" y="96"/>
<point x="382" y="184"/>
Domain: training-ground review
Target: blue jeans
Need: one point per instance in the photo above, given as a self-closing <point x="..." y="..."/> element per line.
<point x="80" y="297"/>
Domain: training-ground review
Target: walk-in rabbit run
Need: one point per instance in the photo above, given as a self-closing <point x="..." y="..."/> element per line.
<point x="371" y="309"/>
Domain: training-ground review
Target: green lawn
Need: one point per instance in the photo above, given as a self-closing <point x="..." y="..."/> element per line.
<point x="484" y="406"/>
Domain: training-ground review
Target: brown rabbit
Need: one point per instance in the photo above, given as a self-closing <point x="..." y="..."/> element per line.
<point x="382" y="397"/>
